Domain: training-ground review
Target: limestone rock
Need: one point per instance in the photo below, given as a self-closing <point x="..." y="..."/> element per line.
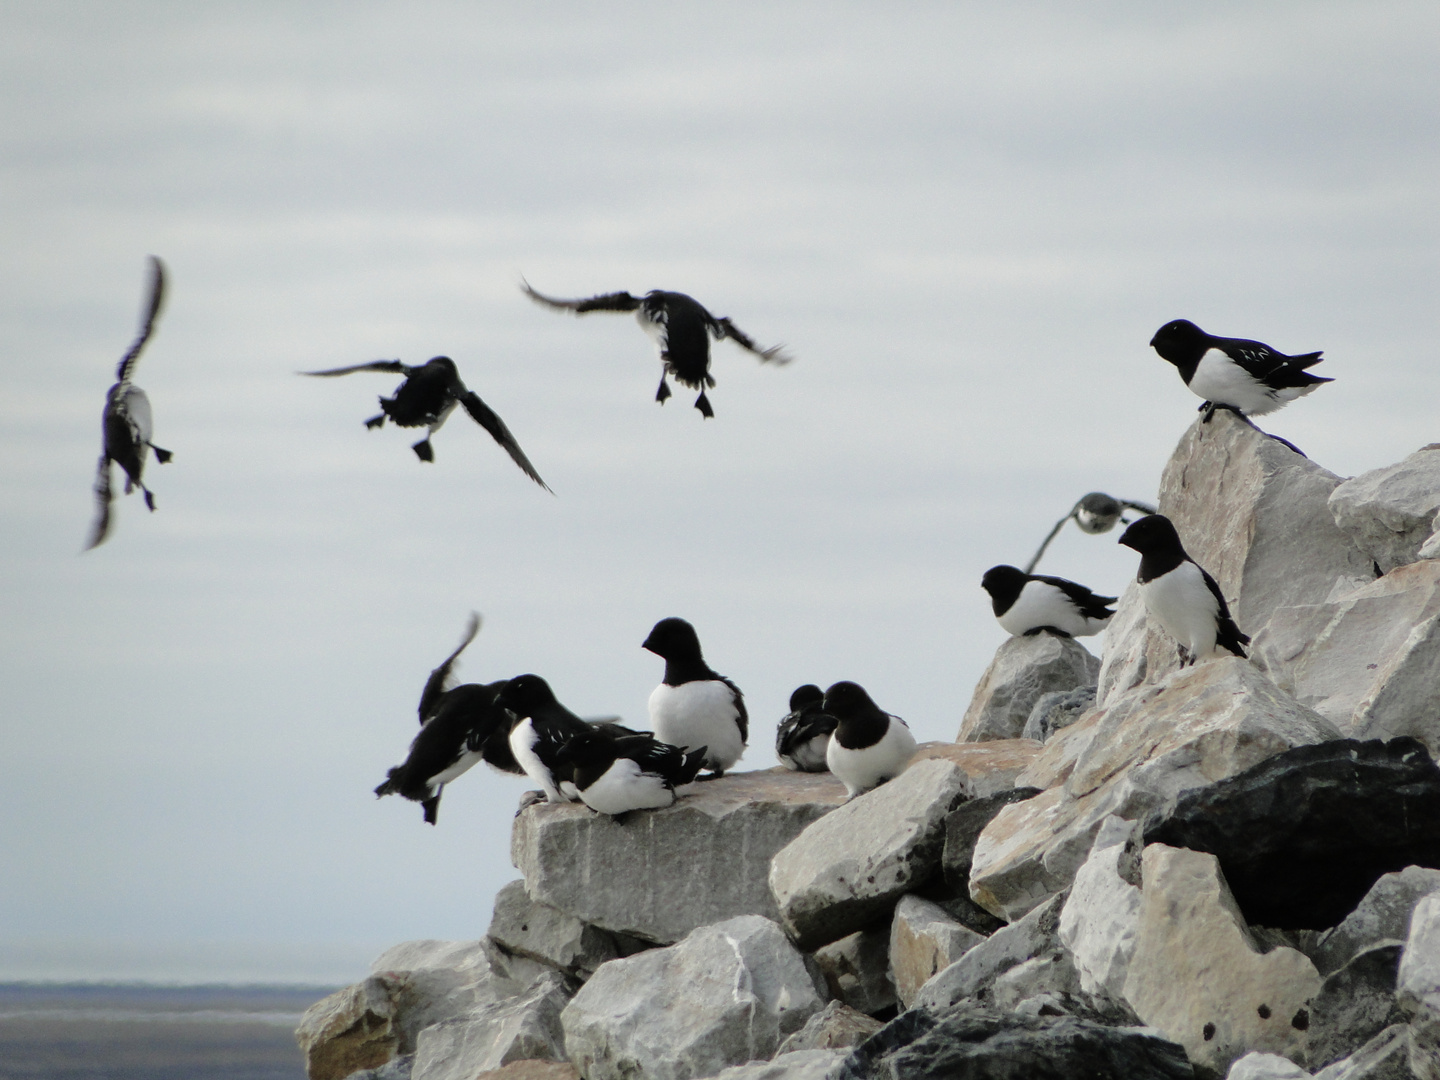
<point x="1049" y="979"/>
<point x="1369" y="661"/>
<point x="989" y="767"/>
<point x="924" y="939"/>
<point x="1102" y="914"/>
<point x="1385" y="1057"/>
<point x="551" y="936"/>
<point x="1383" y="913"/>
<point x="1024" y="669"/>
<point x="1354" y="1005"/>
<point x="1196" y="974"/>
<point x="796" y="1065"/>
<point x="1389" y="512"/>
<point x="520" y="1028"/>
<point x="350" y="1030"/>
<point x="1418" y="986"/>
<point x="533" y="1070"/>
<point x="856" y="969"/>
<point x="1303" y="836"/>
<point x="1199" y="725"/>
<point x="849" y="868"/>
<point x="725" y="995"/>
<point x="834" y="1027"/>
<point x="976" y="971"/>
<point x="638" y="877"/>
<point x="1431" y="548"/>
<point x="962" y="830"/>
<point x="1258" y="1066"/>
<point x="1055" y="710"/>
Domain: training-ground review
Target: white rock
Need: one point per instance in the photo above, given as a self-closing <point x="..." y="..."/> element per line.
<point x="547" y="934"/>
<point x="978" y="969"/>
<point x="1102" y="913"/>
<point x="1383" y="913"/>
<point x="797" y="1065"/>
<point x="1417" y="986"/>
<point x="1024" y="670"/>
<point x="924" y="939"/>
<point x="1431" y="548"/>
<point x="856" y="970"/>
<point x="522" y="1028"/>
<point x="1385" y="1057"/>
<point x="989" y="767"/>
<point x="350" y="1030"/>
<point x="725" y="995"/>
<point x="1390" y="512"/>
<point x="1258" y="1066"/>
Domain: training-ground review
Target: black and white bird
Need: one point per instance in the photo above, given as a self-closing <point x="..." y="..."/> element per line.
<point x="804" y="734"/>
<point x="426" y="399"/>
<point x="1026" y="604"/>
<point x="126" y="425"/>
<point x="459" y="727"/>
<point x="1248" y="377"/>
<point x="1181" y="596"/>
<point x="633" y="772"/>
<point x="693" y="706"/>
<point x="869" y="746"/>
<point x="681" y="329"/>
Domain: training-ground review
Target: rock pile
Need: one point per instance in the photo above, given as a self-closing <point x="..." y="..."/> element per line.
<point x="1121" y="868"/>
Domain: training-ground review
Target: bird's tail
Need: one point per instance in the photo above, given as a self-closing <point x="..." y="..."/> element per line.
<point x="391" y="786"/>
<point x="694" y="762"/>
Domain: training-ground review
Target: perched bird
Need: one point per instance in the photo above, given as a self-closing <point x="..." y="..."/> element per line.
<point x="1179" y="594"/>
<point x="693" y="706"/>
<point x="1026" y="604"/>
<point x="459" y="727"/>
<point x="1247" y="377"/>
<point x="869" y="746"/>
<point x="681" y="329"/>
<point x="427" y="397"/>
<point x="126" y="424"/>
<point x="804" y="734"/>
<point x="633" y="772"/>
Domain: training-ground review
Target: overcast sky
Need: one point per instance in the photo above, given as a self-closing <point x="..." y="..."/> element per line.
<point x="965" y="221"/>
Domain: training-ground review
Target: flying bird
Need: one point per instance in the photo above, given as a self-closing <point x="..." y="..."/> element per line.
<point x="1247" y="377"/>
<point x="633" y="772"/>
<point x="803" y="735"/>
<point x="1026" y="604"/>
<point x="126" y="425"/>
<point x="681" y="329"/>
<point x="693" y="706"/>
<point x="870" y="746"/>
<point x="426" y="398"/>
<point x="1180" y="594"/>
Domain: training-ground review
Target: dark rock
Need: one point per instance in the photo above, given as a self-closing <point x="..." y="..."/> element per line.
<point x="856" y="970"/>
<point x="962" y="828"/>
<point x="1302" y="836"/>
<point x="834" y="1027"/>
<point x="1355" y="1004"/>
<point x="977" y="1043"/>
<point x="1385" y="1057"/>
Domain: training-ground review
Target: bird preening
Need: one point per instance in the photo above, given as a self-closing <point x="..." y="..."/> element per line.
<point x="127" y="425"/>
<point x="681" y="328"/>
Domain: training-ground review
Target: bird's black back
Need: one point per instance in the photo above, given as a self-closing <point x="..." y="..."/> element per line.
<point x="1086" y="602"/>
<point x="423" y="396"/>
<point x="688" y="327"/>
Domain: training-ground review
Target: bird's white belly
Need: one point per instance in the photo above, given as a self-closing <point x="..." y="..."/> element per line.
<point x="1184" y="606"/>
<point x="624" y="787"/>
<point x="863" y="769"/>
<point x="466" y="760"/>
<point x="1218" y="378"/>
<point x="697" y="714"/>
<point x="522" y="743"/>
<point x="654" y="329"/>
<point x="1040" y="604"/>
<point x="134" y="406"/>
<point x="809" y="755"/>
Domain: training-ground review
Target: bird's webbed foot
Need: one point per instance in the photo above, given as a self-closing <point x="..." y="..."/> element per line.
<point x="703" y="404"/>
<point x="375" y="422"/>
<point x="1186" y="659"/>
<point x="423" y="450"/>
<point x="162" y="456"/>
<point x="664" y="391"/>
<point x="530" y="798"/>
<point x="1208" y="408"/>
<point x="149" y="499"/>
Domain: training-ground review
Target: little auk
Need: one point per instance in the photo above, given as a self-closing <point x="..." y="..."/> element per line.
<point x="1179" y="594"/>
<point x="693" y="706"/>
<point x="870" y="746"/>
<point x="427" y="397"/>
<point x="1247" y="377"/>
<point x="634" y="772"/>
<point x="1025" y="604"/>
<point x="681" y="329"/>
<point x="126" y="424"/>
<point x="804" y="734"/>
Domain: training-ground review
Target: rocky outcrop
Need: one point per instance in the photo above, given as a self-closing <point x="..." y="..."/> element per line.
<point x="1382" y="915"/>
<point x="1354" y="1005"/>
<point x="975" y="973"/>
<point x="1418" y="987"/>
<point x="832" y="1028"/>
<point x="1390" y="512"/>
<point x="553" y="937"/>
<point x="1024" y="670"/>
<point x="1101" y="917"/>
<point x="520" y="1028"/>
<point x="924" y="939"/>
<point x="856" y="969"/>
<point x="989" y="768"/>
<point x="1056" y="710"/>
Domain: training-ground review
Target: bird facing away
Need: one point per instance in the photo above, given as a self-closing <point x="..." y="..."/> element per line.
<point x="803" y="735"/>
<point x="681" y="329"/>
<point x="1181" y="596"/>
<point x="694" y="706"/>
<point x="634" y="772"/>
<point x="426" y="398"/>
<point x="1025" y="604"/>
<point x="869" y="746"/>
<point x="1247" y="377"/>
<point x="126" y="425"/>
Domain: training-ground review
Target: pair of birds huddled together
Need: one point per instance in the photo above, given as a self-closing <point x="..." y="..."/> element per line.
<point x="679" y="325"/>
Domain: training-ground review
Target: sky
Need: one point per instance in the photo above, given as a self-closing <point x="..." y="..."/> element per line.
<point x="965" y="220"/>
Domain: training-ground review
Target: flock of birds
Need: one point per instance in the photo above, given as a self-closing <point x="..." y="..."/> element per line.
<point x="698" y="718"/>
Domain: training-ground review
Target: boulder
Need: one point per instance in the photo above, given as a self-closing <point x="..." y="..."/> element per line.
<point x="1417" y="986"/>
<point x="1369" y="661"/>
<point x="350" y="1030"/>
<point x="638" y="877"/>
<point x="1385" y="1057"/>
<point x="725" y="995"/>
<point x="989" y="767"/>
<point x="1024" y="670"/>
<point x="1383" y="913"/>
<point x="1303" y="836"/>
<point x="974" y="974"/>
<point x="1048" y="981"/>
<point x="1354" y="1005"/>
<point x="1431" y="548"/>
<point x="521" y="1028"/>
<point x="963" y="826"/>
<point x="532" y="1070"/>
<point x="856" y="969"/>
<point x="1197" y="975"/>
<point x="549" y="935"/>
<point x="1055" y="710"/>
<point x="924" y="939"/>
<point x="397" y="1068"/>
<point x="1258" y="1066"/>
<point x="1197" y="726"/>
<point x="832" y="1028"/>
<point x="796" y="1065"/>
<point x="1389" y="512"/>
<point x="847" y="869"/>
<point x="1101" y="916"/>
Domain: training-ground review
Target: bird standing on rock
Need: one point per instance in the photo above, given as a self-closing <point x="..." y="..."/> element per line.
<point x="1025" y="604"/>
<point x="634" y="772"/>
<point x="426" y="398"/>
<point x="693" y="706"/>
<point x="1181" y="596"/>
<point x="1247" y="377"/>
<point x="803" y="735"/>
<point x="681" y="329"/>
<point x="126" y="425"/>
<point x="869" y="746"/>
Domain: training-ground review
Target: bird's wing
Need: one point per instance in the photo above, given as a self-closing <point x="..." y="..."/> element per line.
<point x="147" y="327"/>
<point x="374" y="365"/>
<point x="1228" y="633"/>
<point x="742" y="721"/>
<point x="102" y="503"/>
<point x="439" y="680"/>
<point x="1088" y="604"/>
<point x="1262" y="362"/>
<point x="486" y="417"/>
<point x="616" y="301"/>
<point x="724" y="328"/>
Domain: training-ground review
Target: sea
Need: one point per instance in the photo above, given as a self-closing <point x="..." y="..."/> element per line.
<point x="137" y="1031"/>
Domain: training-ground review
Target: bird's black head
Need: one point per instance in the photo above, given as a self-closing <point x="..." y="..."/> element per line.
<point x="1004" y="583"/>
<point x="673" y="639"/>
<point x="806" y="695"/>
<point x="848" y="700"/>
<point x="524" y="695"/>
<point x="1097" y="513"/>
<point x="1153" y="533"/>
<point x="1180" y="341"/>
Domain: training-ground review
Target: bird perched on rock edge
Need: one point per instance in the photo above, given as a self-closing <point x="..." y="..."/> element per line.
<point x="869" y="746"/>
<point x="1026" y="604"/>
<point x="633" y="772"/>
<point x="694" y="706"/>
<point x="803" y="735"/>
<point x="1247" y="377"/>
